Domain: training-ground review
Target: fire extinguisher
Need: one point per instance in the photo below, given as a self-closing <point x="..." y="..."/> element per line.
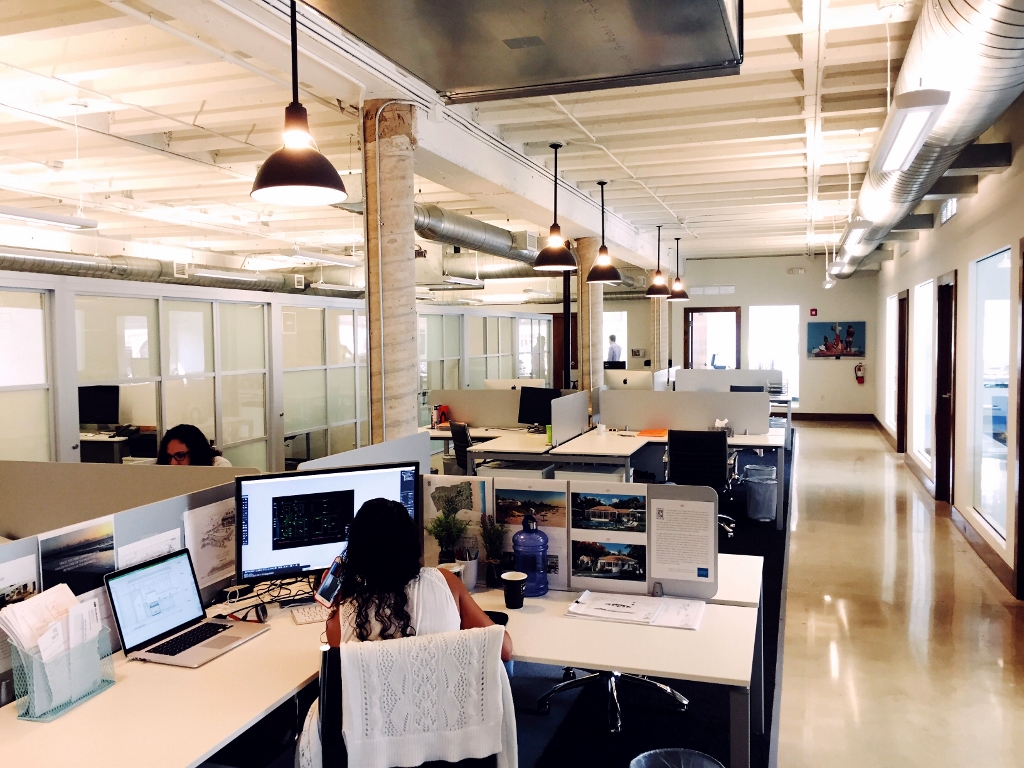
<point x="858" y="371"/>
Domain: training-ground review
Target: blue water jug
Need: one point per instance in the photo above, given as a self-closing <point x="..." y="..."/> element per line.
<point x="530" y="546"/>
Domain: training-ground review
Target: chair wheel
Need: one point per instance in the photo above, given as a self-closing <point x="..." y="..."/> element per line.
<point x="568" y="674"/>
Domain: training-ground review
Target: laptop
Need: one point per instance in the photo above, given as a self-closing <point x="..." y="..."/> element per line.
<point x="160" y="617"/>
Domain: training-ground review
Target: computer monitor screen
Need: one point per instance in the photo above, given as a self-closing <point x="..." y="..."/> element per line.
<point x="746" y="387"/>
<point x="297" y="523"/>
<point x="535" y="404"/>
<point x="615" y="365"/>
<point x="99" y="405"/>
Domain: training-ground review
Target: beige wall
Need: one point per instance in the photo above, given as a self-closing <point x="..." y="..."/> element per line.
<point x="984" y="224"/>
<point x="826" y="386"/>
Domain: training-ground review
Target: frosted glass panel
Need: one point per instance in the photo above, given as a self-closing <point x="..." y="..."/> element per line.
<point x="434" y="375"/>
<point x="22" y="339"/>
<point x="435" y="337"/>
<point x="508" y="367"/>
<point x="341" y="394"/>
<point x="305" y="446"/>
<point x="243" y="401"/>
<point x="505" y="334"/>
<point x="363" y="379"/>
<point x="116" y="338"/>
<point x="342" y="438"/>
<point x="452" y="336"/>
<point x="492" y="335"/>
<point x="451" y="375"/>
<point x="475" y="331"/>
<point x="305" y="400"/>
<point x="341" y="338"/>
<point x="361" y="338"/>
<point x="188" y="328"/>
<point x="137" y="404"/>
<point x="242" y="337"/>
<point x="303" y="336"/>
<point x="364" y="433"/>
<point x="25" y="425"/>
<point x="248" y="455"/>
<point x="190" y="401"/>
<point x="477" y="372"/>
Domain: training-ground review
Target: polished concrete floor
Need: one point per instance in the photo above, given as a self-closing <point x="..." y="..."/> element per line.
<point x="901" y="647"/>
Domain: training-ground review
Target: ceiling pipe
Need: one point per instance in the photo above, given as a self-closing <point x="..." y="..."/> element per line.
<point x="435" y="223"/>
<point x="155" y="271"/>
<point x="974" y="49"/>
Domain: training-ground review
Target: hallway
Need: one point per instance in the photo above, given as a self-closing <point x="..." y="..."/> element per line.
<point x="901" y="647"/>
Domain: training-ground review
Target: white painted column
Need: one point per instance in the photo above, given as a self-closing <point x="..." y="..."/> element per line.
<point x="389" y="133"/>
<point x="659" y="351"/>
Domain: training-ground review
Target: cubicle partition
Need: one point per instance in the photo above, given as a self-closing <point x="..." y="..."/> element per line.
<point x="412" y="447"/>
<point x="712" y="380"/>
<point x="570" y="416"/>
<point x="747" y="412"/>
<point x="480" y="407"/>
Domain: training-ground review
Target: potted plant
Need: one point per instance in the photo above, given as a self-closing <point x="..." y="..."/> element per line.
<point x="447" y="527"/>
<point x="493" y="534"/>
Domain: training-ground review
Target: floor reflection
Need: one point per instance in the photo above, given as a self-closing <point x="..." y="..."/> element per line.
<point x="901" y="646"/>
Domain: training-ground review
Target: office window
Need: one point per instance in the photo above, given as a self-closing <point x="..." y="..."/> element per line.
<point x="242" y="337"/>
<point x="24" y="378"/>
<point x="439" y="342"/>
<point x="891" y="351"/>
<point x="490" y="351"/>
<point x="326" y="403"/>
<point x="990" y="381"/>
<point x="535" y="349"/>
<point x="775" y="342"/>
<point x="188" y="381"/>
<point x="923" y="345"/>
<point x="712" y="337"/>
<point x="615" y="324"/>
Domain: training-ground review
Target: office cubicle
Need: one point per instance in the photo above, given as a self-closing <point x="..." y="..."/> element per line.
<point x="747" y="412"/>
<point x="709" y="380"/>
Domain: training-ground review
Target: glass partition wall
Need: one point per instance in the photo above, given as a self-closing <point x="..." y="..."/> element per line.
<point x="25" y="410"/>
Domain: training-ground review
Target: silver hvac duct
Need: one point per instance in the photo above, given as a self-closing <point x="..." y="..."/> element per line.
<point x="435" y="223"/>
<point x="156" y="271"/>
<point x="974" y="49"/>
<point x="490" y="267"/>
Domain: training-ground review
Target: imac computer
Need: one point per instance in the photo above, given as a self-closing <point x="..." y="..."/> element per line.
<point x="535" y="405"/>
<point x="295" y="524"/>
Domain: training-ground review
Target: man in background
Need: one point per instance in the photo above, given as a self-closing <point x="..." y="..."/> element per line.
<point x="614" y="350"/>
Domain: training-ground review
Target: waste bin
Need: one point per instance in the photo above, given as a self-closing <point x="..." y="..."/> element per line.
<point x="674" y="758"/>
<point x="762" y="497"/>
<point x="760" y="471"/>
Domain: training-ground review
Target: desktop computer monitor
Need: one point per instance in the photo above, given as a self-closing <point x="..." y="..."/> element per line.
<point x="615" y="365"/>
<point x="99" y="405"/>
<point x="535" y="404"/>
<point x="296" y="523"/>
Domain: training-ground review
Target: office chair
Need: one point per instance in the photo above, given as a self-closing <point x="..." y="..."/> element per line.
<point x="461" y="441"/>
<point x="612" y="681"/>
<point x="716" y="367"/>
<point x="703" y="458"/>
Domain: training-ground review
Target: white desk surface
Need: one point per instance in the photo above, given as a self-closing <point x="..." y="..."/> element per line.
<point x="156" y="715"/>
<point x="776" y="438"/>
<point x="93" y="437"/>
<point x="609" y="444"/>
<point x="514" y="442"/>
<point x="477" y="433"/>
<point x="721" y="651"/>
<point x="739" y="580"/>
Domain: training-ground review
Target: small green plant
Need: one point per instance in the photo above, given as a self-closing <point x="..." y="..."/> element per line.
<point x="447" y="528"/>
<point x="493" y="534"/>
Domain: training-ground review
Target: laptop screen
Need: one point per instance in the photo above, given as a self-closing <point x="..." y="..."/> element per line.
<point x="154" y="598"/>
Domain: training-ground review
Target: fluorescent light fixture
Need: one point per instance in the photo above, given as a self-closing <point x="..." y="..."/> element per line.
<point x="467" y="281"/>
<point x="326" y="258"/>
<point x="213" y="273"/>
<point x="455" y="284"/>
<point x="910" y="120"/>
<point x="828" y="282"/>
<point x="855" y="231"/>
<point x="52" y="219"/>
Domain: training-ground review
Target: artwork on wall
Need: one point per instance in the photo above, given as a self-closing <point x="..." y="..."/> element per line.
<point x="836" y="339"/>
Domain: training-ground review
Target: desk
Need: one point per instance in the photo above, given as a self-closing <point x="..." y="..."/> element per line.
<point x="101" y="449"/>
<point x="610" y="448"/>
<point x="156" y="715"/>
<point x="475" y="433"/>
<point x="524" y="446"/>
<point x="722" y="651"/>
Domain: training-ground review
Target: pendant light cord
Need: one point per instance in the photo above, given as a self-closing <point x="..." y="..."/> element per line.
<point x="555" y="147"/>
<point x="601" y="184"/>
<point x="677" y="256"/>
<point x="659" y="248"/>
<point x="295" y="56"/>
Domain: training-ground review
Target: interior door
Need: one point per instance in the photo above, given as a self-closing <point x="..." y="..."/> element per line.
<point x="902" y="362"/>
<point x="945" y="383"/>
<point x="711" y="337"/>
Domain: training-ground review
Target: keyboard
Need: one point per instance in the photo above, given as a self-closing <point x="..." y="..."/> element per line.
<point x="190" y="639"/>
<point x="310" y="614"/>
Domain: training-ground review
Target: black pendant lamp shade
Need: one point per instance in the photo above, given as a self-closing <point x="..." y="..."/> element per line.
<point x="297" y="174"/>
<point x="678" y="292"/>
<point x="658" y="289"/>
<point x="603" y="270"/>
<point x="555" y="257"/>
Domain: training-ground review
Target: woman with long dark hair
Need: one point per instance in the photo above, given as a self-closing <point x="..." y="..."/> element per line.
<point x="385" y="593"/>
<point x="185" y="445"/>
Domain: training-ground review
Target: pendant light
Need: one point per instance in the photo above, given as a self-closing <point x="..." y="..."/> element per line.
<point x="657" y="288"/>
<point x="297" y="174"/>
<point x="555" y="257"/>
<point x="603" y="270"/>
<point x="678" y="292"/>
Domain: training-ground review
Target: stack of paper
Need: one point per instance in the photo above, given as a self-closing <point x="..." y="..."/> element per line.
<point x="639" y="609"/>
<point x="26" y="622"/>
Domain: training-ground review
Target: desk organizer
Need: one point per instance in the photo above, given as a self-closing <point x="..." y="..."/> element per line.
<point x="46" y="690"/>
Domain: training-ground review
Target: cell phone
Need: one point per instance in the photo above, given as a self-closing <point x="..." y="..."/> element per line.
<point x="331" y="584"/>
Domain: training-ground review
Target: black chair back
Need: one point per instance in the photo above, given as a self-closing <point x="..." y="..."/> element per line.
<point x="460" y="442"/>
<point x="746" y="387"/>
<point x="698" y="458"/>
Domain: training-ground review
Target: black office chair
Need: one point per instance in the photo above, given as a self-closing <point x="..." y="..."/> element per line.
<point x="746" y="387"/>
<point x="461" y="441"/>
<point x="703" y="458"/>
